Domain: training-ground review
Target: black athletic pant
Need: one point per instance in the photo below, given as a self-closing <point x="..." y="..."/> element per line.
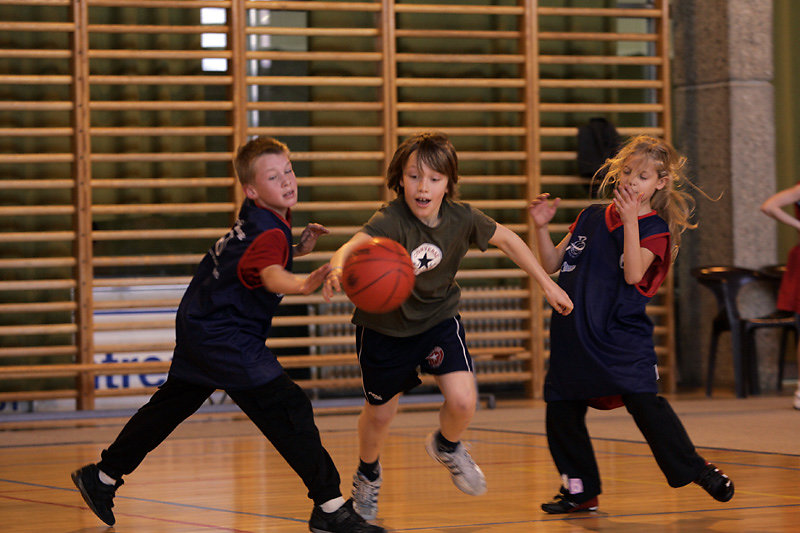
<point x="280" y="409"/>
<point x="573" y="454"/>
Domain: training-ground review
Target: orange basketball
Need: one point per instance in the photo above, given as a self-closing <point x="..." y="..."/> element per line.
<point x="378" y="275"/>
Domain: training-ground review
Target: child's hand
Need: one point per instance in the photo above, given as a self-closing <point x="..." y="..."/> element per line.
<point x="315" y="279"/>
<point x="308" y="239"/>
<point x="628" y="204"/>
<point x="557" y="298"/>
<point x="333" y="283"/>
<point x="542" y="210"/>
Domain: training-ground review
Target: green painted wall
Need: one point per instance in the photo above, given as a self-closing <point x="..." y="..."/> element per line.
<point x="787" y="106"/>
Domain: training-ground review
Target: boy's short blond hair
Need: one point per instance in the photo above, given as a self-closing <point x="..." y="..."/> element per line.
<point x="243" y="163"/>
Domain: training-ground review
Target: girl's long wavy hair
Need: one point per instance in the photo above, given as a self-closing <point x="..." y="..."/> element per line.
<point x="672" y="203"/>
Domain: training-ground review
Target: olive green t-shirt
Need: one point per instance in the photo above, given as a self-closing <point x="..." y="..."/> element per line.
<point x="436" y="254"/>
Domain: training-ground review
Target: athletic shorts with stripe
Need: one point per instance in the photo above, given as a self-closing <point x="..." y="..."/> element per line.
<point x="389" y="365"/>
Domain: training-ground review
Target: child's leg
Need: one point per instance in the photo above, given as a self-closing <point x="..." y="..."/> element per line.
<point x="373" y="428"/>
<point x="460" y="400"/>
<point x="671" y="446"/>
<point x="571" y="449"/>
<point x="171" y="404"/>
<point x="283" y="413"/>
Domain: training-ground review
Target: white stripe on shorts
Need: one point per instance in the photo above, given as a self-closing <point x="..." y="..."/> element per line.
<point x="463" y="348"/>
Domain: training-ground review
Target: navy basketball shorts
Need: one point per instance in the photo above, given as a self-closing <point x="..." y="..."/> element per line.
<point x="389" y="364"/>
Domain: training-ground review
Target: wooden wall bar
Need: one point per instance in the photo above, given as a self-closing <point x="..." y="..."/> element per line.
<point x="119" y="120"/>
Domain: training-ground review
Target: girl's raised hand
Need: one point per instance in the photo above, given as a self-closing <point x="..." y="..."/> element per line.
<point x="628" y="203"/>
<point x="542" y="209"/>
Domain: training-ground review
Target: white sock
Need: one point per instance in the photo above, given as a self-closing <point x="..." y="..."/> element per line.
<point x="105" y="478"/>
<point x="332" y="505"/>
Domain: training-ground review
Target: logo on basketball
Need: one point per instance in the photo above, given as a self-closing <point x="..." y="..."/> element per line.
<point x="425" y="257"/>
<point x="435" y="358"/>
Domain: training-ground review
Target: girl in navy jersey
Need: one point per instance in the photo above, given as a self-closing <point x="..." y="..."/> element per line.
<point x="612" y="261"/>
<point x="789" y="292"/>
<point x="426" y="330"/>
<point x="221" y="327"/>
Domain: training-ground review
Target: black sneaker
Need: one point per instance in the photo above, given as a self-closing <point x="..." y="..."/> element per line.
<point x="99" y="496"/>
<point x="342" y="520"/>
<point x="716" y="483"/>
<point x="562" y="503"/>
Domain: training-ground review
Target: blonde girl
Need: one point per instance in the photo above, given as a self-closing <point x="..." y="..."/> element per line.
<point x="611" y="262"/>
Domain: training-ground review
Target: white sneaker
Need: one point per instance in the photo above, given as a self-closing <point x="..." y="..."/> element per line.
<point x="365" y="495"/>
<point x="466" y="475"/>
<point x="797" y="399"/>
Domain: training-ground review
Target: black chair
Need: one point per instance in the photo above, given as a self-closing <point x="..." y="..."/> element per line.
<point x="725" y="283"/>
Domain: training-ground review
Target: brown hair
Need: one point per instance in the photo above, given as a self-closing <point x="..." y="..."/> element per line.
<point x="671" y="202"/>
<point x="435" y="150"/>
<point x="243" y="163"/>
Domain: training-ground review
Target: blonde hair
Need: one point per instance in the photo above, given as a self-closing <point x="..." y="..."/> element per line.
<point x="247" y="153"/>
<point x="672" y="203"/>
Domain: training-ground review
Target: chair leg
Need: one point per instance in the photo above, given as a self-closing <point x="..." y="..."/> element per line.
<point x="782" y="357"/>
<point x="739" y="360"/>
<point x="712" y="358"/>
<point x="750" y="360"/>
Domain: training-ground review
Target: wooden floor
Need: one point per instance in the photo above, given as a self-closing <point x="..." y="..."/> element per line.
<point x="216" y="473"/>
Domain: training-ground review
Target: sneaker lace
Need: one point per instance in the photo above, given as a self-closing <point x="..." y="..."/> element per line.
<point x="457" y="461"/>
<point x="365" y="492"/>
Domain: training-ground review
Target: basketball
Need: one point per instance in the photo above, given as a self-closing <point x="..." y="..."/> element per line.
<point x="378" y="275"/>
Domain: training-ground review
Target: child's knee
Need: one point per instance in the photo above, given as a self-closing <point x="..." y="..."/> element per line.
<point x="462" y="405"/>
<point x="380" y="415"/>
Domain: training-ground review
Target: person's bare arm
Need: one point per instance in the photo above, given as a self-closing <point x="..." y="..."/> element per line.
<point x="333" y="281"/>
<point x="542" y="210"/>
<point x="280" y="281"/>
<point x="516" y="250"/>
<point x="773" y="206"/>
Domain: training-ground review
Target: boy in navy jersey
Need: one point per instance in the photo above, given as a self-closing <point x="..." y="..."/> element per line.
<point x="222" y="324"/>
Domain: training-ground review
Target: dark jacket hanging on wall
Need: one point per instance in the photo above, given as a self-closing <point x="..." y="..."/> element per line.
<point x="597" y="141"/>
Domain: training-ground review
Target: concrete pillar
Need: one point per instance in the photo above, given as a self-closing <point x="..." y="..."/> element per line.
<point x="724" y="123"/>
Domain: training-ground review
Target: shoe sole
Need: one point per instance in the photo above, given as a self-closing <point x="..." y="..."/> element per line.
<point x="76" y="478"/>
<point x="585" y="510"/>
<point x="466" y="489"/>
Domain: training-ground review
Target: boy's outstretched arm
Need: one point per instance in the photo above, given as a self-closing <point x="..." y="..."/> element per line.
<point x="516" y="249"/>
<point x="334" y="278"/>
<point x="279" y="280"/>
